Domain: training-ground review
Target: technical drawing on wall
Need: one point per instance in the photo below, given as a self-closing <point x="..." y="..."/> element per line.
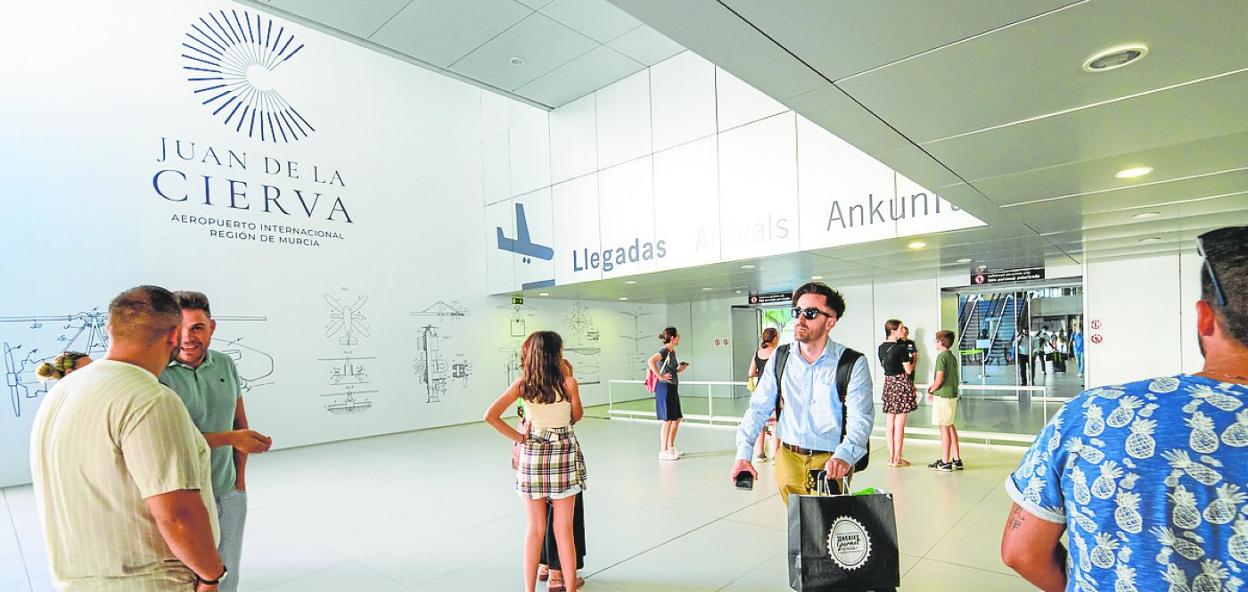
<point x="346" y="321"/>
<point x="581" y="345"/>
<point x="518" y="324"/>
<point x="637" y="358"/>
<point x="347" y="373"/>
<point x="434" y="368"/>
<point x="255" y="366"/>
<point x="45" y="337"/>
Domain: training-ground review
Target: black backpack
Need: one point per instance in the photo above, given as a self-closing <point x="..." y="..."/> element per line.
<point x="844" y="367"/>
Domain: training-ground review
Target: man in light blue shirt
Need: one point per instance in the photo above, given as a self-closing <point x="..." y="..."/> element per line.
<point x="811" y="429"/>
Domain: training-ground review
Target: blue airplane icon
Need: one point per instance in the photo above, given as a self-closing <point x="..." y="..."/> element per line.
<point x="523" y="245"/>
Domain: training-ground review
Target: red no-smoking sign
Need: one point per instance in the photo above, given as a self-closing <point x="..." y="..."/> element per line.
<point x="1096" y="338"/>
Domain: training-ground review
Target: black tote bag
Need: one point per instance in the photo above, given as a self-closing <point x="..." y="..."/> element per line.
<point x="843" y="543"/>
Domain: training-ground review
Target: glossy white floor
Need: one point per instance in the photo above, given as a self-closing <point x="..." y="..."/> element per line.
<point x="434" y="510"/>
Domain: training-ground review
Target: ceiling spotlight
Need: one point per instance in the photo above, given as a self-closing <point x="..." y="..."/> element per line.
<point x="1150" y="239"/>
<point x="738" y="291"/>
<point x="917" y="245"/>
<point x="1146" y="215"/>
<point x="747" y="266"/>
<point x="1114" y="57"/>
<point x="1133" y="172"/>
<point x="623" y="298"/>
<point x="707" y="289"/>
<point x="964" y="260"/>
<point x="516" y="61"/>
<point x="816" y="277"/>
<point x="543" y="293"/>
<point x="630" y="282"/>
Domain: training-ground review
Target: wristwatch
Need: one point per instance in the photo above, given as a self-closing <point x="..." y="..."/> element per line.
<point x="225" y="572"/>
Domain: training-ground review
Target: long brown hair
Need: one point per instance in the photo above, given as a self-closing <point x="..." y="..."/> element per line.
<point x="769" y="334"/>
<point x="541" y="368"/>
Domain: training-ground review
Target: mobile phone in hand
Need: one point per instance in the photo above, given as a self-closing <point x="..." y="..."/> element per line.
<point x="745" y="480"/>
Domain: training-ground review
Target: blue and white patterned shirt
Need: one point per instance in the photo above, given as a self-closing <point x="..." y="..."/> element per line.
<point x="1151" y="479"/>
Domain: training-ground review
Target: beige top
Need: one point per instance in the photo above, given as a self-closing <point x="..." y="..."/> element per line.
<point x="106" y="437"/>
<point x="553" y="415"/>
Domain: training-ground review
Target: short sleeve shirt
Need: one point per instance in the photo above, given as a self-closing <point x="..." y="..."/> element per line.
<point x="947" y="363"/>
<point x="104" y="439"/>
<point x="892" y="355"/>
<point x="1151" y="480"/>
<point x="669" y="364"/>
<point x="210" y="393"/>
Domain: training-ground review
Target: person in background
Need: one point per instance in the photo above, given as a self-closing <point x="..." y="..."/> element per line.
<point x="549" y="567"/>
<point x="1076" y="346"/>
<point x="667" y="392"/>
<point x="1022" y="343"/>
<point x="1061" y="350"/>
<point x="1146" y="479"/>
<point x="898" y="397"/>
<point x="552" y="467"/>
<point x="62" y="365"/>
<point x="766" y="346"/>
<point x="943" y="395"/>
<point x="1039" y="343"/>
<point x="122" y="481"/>
<point x="207" y="382"/>
<point x="912" y="349"/>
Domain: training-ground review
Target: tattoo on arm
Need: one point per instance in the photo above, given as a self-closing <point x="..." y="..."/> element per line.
<point x="1016" y="518"/>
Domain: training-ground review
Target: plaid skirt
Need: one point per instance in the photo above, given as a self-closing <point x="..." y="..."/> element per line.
<point x="551" y="464"/>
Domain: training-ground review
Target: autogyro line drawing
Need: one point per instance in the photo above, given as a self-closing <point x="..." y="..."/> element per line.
<point x="346" y="321"/>
<point x="434" y="368"/>
<point x="348" y="370"/>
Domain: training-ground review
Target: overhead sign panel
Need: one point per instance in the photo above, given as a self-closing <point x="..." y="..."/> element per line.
<point x="1024" y="274"/>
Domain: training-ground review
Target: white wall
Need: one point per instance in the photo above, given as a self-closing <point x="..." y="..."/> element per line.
<point x="85" y="221"/>
<point x="1145" y="307"/>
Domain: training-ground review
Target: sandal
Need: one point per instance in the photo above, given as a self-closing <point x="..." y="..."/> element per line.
<point x="556" y="584"/>
<point x="543" y="573"/>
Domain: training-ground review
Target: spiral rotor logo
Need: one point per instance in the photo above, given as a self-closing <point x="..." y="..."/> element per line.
<point x="229" y="59"/>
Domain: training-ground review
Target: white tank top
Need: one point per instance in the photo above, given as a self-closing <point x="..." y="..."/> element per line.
<point x="553" y="415"/>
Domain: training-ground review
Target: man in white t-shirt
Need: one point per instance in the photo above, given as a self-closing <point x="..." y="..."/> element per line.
<point x="121" y="476"/>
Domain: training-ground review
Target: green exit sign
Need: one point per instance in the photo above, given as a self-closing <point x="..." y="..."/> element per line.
<point x="517" y="300"/>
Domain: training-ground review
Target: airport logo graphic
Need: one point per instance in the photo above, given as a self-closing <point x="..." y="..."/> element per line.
<point x="524" y="246"/>
<point x="229" y="59"/>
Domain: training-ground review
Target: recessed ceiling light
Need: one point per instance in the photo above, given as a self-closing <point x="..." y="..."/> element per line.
<point x="630" y="282"/>
<point x="747" y="266"/>
<point x="738" y="291"/>
<point x="964" y="260"/>
<point x="707" y="289"/>
<point x="1133" y="172"/>
<point x="623" y="297"/>
<point x="1114" y="57"/>
<point x="543" y="293"/>
<point x="1146" y="215"/>
<point x="917" y="245"/>
<point x="816" y="277"/>
<point x="1150" y="239"/>
<point x="516" y="61"/>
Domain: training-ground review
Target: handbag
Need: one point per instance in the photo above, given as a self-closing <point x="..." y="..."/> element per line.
<point x="842" y="542"/>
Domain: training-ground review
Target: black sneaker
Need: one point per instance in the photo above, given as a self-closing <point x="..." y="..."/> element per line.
<point x="957" y="464"/>
<point x="941" y="466"/>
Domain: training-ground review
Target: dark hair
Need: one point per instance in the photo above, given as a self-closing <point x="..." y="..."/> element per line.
<point x="143" y="315"/>
<point x="834" y="300"/>
<point x="667" y="335"/>
<point x="891" y="325"/>
<point x="769" y="334"/>
<point x="1226" y="251"/>
<point x="945" y="337"/>
<point x="193" y="301"/>
<point x="542" y="368"/>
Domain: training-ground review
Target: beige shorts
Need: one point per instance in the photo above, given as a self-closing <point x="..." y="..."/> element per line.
<point x="944" y="410"/>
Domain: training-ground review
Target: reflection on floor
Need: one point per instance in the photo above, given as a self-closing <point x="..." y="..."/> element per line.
<point x="434" y="510"/>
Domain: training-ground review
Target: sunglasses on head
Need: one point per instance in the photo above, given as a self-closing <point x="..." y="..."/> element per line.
<point x="1207" y="246"/>
<point x="810" y="313"/>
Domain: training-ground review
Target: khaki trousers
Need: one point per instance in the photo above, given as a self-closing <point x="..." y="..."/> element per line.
<point x="793" y="472"/>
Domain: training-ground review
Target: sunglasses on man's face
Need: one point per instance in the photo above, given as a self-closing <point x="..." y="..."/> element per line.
<point x="1210" y="246"/>
<point x="809" y="313"/>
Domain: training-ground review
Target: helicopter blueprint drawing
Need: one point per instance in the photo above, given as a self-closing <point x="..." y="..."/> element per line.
<point x="32" y="340"/>
<point x="348" y="371"/>
<point x="434" y="368"/>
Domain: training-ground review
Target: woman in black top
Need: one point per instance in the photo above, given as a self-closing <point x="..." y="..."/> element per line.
<point x="899" y="398"/>
<point x="766" y="347"/>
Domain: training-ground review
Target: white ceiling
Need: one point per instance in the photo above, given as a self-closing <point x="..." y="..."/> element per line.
<point x="569" y="48"/>
<point x="986" y="103"/>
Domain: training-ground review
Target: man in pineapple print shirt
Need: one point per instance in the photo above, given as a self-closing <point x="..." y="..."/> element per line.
<point x="1149" y="480"/>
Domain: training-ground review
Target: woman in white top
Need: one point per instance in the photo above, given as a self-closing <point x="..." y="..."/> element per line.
<point x="551" y="465"/>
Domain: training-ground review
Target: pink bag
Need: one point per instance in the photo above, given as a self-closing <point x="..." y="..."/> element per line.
<point x="652" y="379"/>
<point x="523" y="428"/>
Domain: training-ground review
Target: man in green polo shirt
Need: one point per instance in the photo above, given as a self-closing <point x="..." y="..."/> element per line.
<point x="207" y="382"/>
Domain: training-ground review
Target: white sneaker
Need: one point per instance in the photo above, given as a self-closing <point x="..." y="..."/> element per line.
<point x="678" y="453"/>
<point x="668" y="455"/>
